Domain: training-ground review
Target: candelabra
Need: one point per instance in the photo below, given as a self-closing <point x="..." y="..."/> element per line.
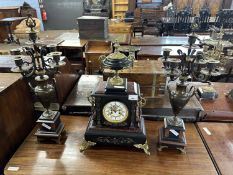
<point x="38" y="68"/>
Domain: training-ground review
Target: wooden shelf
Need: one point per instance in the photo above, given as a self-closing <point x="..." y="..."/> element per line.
<point x="122" y="3"/>
<point x="119" y="7"/>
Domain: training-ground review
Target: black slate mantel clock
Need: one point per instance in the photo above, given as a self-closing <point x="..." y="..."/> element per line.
<point x="116" y="108"/>
<point x="116" y="118"/>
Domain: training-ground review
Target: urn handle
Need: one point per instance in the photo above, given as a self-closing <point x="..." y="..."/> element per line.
<point x="142" y="101"/>
<point x="192" y="91"/>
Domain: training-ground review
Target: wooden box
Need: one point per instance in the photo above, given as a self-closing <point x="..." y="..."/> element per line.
<point x="93" y="27"/>
<point x="93" y="50"/>
<point x="148" y="73"/>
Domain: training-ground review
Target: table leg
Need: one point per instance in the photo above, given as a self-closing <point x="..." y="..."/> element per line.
<point x="10" y="35"/>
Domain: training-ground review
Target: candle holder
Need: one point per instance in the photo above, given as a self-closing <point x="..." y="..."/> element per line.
<point x="38" y="69"/>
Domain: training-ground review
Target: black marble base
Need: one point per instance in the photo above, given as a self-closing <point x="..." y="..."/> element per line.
<point x="171" y="141"/>
<point x="115" y="136"/>
<point x="115" y="88"/>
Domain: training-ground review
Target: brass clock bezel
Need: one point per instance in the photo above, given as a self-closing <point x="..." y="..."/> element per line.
<point x="108" y="117"/>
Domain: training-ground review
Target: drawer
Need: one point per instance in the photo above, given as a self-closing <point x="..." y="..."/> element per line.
<point x="120" y="30"/>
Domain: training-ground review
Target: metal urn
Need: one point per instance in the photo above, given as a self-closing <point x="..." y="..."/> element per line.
<point x="178" y="99"/>
<point x="172" y="135"/>
<point x="44" y="92"/>
<point x="117" y="61"/>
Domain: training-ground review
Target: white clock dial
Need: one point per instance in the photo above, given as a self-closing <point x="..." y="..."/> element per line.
<point x="115" y="112"/>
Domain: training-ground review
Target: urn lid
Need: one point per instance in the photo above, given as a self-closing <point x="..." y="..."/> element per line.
<point x="116" y="56"/>
<point x="41" y="78"/>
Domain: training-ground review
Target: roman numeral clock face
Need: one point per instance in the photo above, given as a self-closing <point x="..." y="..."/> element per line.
<point x="115" y="112"/>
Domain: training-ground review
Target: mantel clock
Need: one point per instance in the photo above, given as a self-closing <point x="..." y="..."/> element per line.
<point x="116" y="109"/>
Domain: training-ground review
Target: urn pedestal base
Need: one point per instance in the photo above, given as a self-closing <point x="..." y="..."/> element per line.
<point x="172" y="136"/>
<point x="108" y="136"/>
<point x="50" y="129"/>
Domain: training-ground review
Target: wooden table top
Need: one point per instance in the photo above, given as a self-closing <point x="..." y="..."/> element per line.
<point x="9" y="7"/>
<point x="162" y="41"/>
<point x="12" y="19"/>
<point x="33" y="158"/>
<point x="73" y="43"/>
<point x="219" y="144"/>
<point x="157" y="51"/>
<point x="221" y="108"/>
<point x="72" y="40"/>
<point x="7" y="79"/>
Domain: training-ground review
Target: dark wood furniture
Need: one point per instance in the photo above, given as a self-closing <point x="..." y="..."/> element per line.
<point x="157" y="108"/>
<point x="154" y="52"/>
<point x="93" y="27"/>
<point x="16" y="115"/>
<point x="7" y="12"/>
<point x="8" y="22"/>
<point x="204" y="19"/>
<point x="218" y="144"/>
<point x="220" y="109"/>
<point x="73" y="50"/>
<point x="149" y="74"/>
<point x="168" y="23"/>
<point x="224" y="18"/>
<point x="77" y="102"/>
<point x="182" y="22"/>
<point x="66" y="158"/>
<point x="159" y="41"/>
<point x="73" y="47"/>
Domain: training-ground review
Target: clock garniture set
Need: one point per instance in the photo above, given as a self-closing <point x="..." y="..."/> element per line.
<point x="116" y="109"/>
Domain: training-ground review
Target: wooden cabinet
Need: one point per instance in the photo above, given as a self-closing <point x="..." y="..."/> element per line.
<point x="119" y="7"/>
<point x="93" y="50"/>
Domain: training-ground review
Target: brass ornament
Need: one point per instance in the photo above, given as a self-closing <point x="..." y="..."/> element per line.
<point x="85" y="145"/>
<point x="144" y="146"/>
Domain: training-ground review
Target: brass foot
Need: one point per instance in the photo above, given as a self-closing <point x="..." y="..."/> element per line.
<point x="144" y="146"/>
<point x="182" y="150"/>
<point x="85" y="145"/>
<point x="160" y="148"/>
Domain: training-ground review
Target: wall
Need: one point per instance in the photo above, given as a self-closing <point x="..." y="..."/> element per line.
<point x="62" y="14"/>
<point x="33" y="3"/>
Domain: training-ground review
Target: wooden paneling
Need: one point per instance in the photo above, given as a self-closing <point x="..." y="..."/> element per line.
<point x="16" y="115"/>
<point x="50" y="159"/>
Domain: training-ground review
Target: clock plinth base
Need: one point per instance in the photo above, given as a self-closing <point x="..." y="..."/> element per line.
<point x="169" y="141"/>
<point x="115" y="137"/>
<point x="109" y="89"/>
